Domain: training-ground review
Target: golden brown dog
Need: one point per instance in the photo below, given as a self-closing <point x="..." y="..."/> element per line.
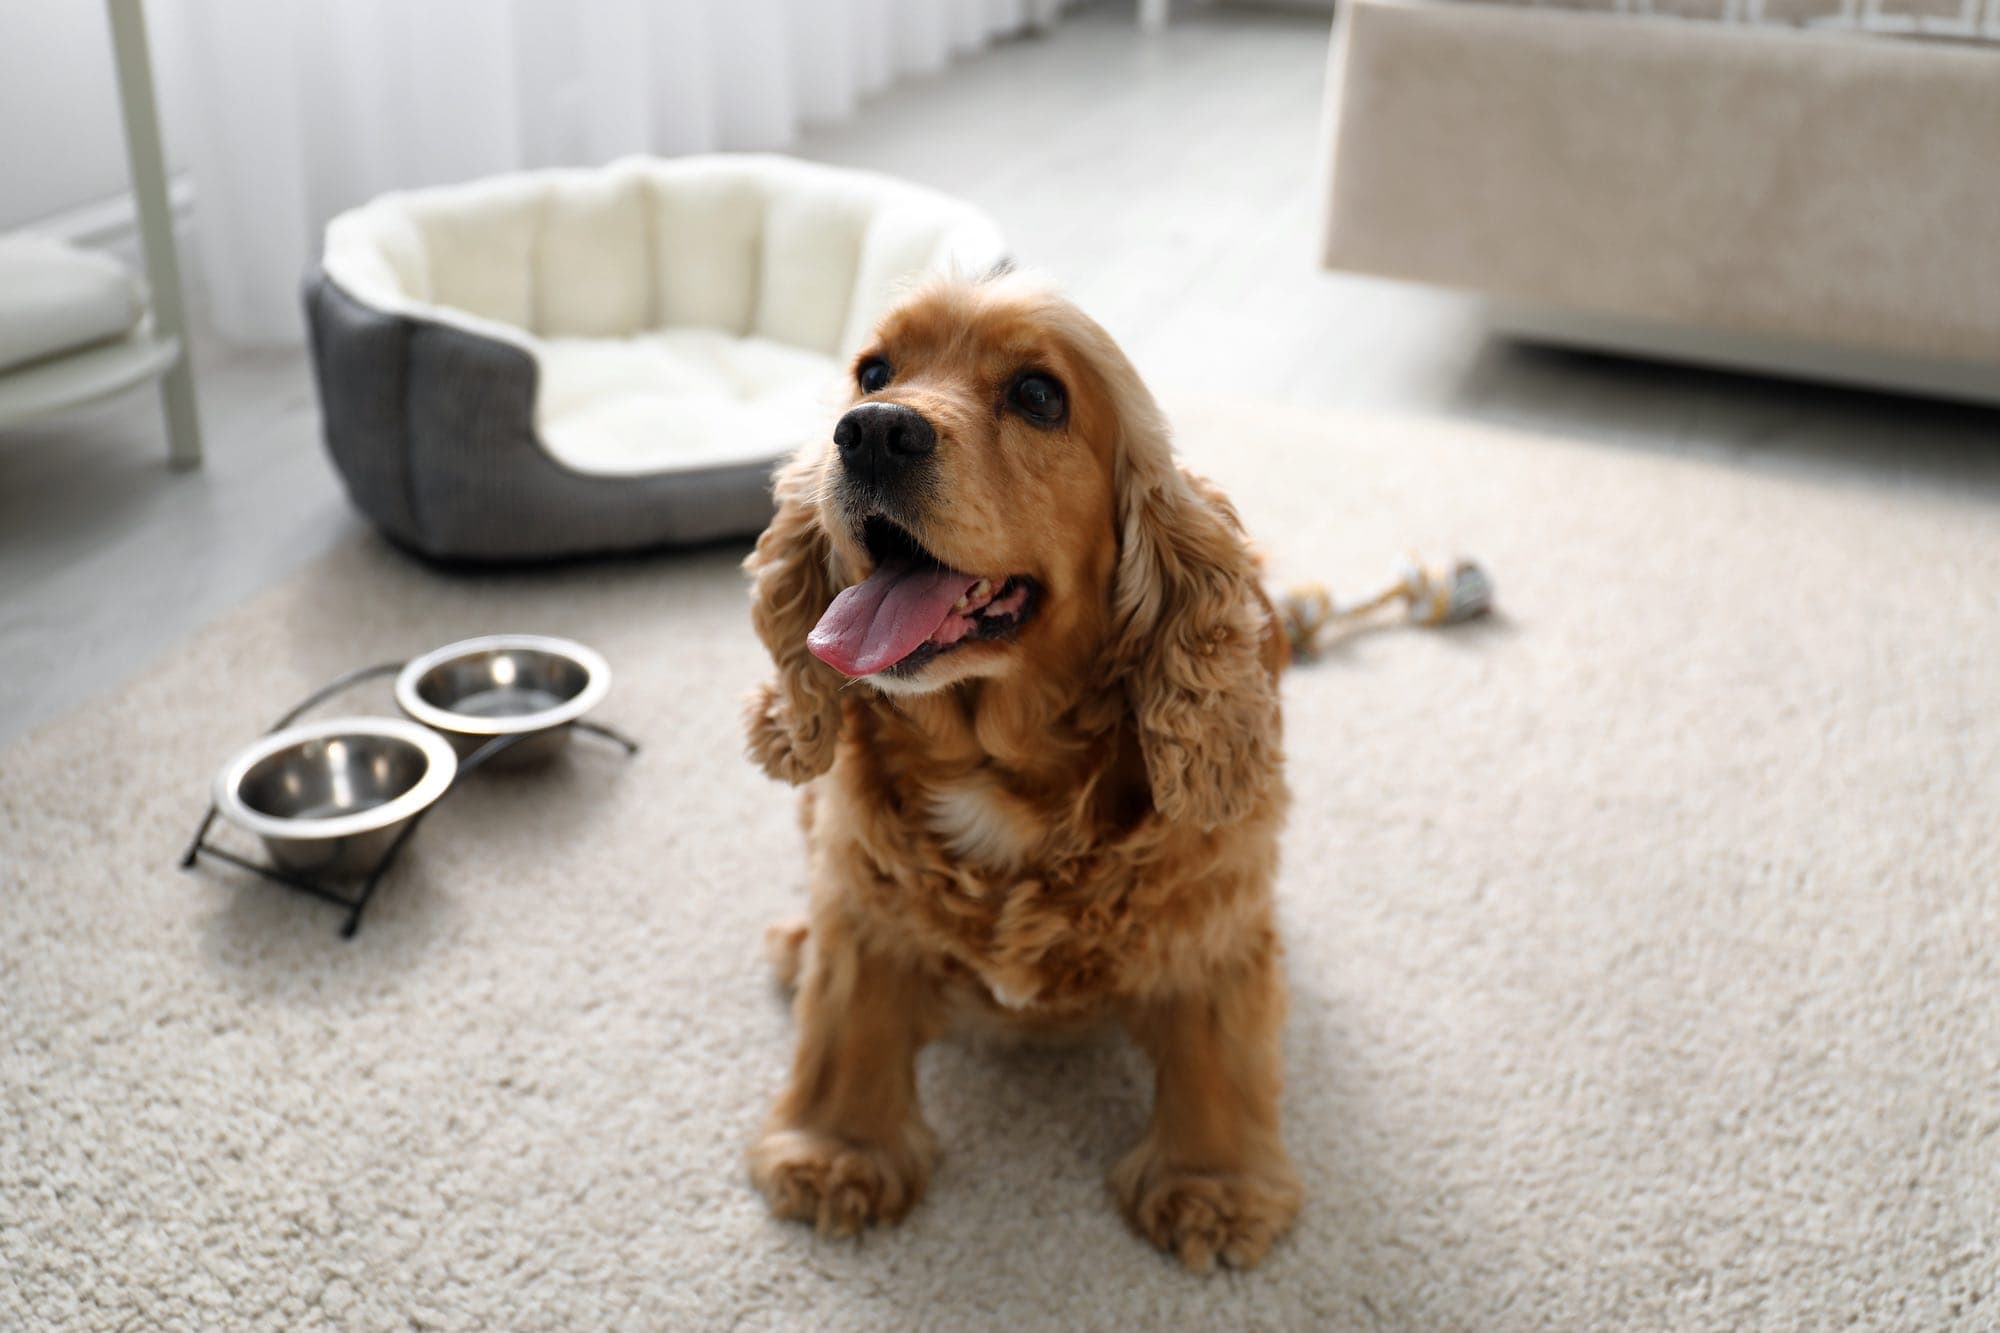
<point x="1027" y="668"/>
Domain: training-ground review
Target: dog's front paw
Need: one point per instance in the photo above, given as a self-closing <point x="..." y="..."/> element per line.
<point x="837" y="1186"/>
<point x="1201" y="1216"/>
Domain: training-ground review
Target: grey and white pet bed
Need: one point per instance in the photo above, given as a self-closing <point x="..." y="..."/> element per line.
<point x="567" y="362"/>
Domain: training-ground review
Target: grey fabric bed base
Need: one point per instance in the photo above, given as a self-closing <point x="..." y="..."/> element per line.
<point x="432" y="429"/>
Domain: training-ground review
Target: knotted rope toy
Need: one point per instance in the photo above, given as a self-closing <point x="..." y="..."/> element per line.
<point x="1434" y="594"/>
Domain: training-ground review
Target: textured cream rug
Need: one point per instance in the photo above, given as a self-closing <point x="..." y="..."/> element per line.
<point x="1645" y="948"/>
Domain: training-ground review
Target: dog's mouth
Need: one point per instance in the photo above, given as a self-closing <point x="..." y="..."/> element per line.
<point x="915" y="608"/>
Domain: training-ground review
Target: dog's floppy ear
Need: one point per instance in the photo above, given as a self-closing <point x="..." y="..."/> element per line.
<point x="1190" y="623"/>
<point x="793" y="721"/>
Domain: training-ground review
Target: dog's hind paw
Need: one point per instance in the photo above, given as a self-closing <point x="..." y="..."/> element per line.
<point x="785" y="949"/>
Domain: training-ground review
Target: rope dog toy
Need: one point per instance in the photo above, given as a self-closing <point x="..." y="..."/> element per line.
<point x="1435" y="594"/>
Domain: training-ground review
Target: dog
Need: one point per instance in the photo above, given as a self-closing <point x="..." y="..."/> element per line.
<point x="1027" y="673"/>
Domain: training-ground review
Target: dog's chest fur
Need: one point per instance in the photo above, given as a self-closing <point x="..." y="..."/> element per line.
<point x="1029" y="935"/>
<point x="983" y="823"/>
<point x="1019" y="876"/>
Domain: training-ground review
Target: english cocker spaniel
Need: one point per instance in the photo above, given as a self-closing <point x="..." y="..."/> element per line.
<point x="1028" y="675"/>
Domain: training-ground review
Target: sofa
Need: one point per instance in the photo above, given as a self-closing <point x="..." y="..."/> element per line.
<point x="1807" y="187"/>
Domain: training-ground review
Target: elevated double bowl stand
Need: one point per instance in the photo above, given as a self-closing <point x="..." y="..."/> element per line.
<point x="356" y="902"/>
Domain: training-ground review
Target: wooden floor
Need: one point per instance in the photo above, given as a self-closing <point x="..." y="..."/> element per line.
<point x="1169" y="182"/>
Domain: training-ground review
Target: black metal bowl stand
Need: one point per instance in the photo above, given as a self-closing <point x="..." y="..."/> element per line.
<point x="356" y="902"/>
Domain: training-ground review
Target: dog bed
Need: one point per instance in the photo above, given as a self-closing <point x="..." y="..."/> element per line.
<point x="569" y="362"/>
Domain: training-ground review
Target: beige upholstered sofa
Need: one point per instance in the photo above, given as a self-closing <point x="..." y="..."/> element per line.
<point x="1800" y="186"/>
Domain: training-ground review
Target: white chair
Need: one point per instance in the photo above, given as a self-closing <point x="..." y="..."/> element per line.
<point x="74" y="326"/>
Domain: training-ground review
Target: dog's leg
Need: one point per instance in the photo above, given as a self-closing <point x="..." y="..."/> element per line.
<point x="846" y="1144"/>
<point x="1211" y="1179"/>
<point x="786" y="942"/>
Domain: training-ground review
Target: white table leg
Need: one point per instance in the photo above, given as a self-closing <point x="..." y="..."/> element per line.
<point x="1152" y="15"/>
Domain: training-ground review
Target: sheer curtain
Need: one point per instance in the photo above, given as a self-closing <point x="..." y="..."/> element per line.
<point x="288" y="111"/>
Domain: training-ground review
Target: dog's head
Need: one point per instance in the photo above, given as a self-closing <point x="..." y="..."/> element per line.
<point x="1000" y="502"/>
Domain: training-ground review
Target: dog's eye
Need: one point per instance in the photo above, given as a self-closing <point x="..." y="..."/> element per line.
<point x="873" y="375"/>
<point x="1039" y="397"/>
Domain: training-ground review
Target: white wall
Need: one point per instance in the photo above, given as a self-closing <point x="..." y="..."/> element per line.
<point x="62" y="144"/>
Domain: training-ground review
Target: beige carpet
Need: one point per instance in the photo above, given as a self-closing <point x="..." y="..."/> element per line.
<point x="1645" y="949"/>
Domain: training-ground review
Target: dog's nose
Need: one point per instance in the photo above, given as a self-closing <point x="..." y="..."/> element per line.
<point x="877" y="440"/>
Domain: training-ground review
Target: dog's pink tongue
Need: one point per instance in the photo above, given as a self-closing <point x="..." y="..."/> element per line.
<point x="879" y="622"/>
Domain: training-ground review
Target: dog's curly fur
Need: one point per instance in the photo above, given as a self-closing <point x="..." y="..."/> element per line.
<point x="1077" y="823"/>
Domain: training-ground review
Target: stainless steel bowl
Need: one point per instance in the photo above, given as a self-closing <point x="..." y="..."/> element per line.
<point x="526" y="685"/>
<point x="329" y="797"/>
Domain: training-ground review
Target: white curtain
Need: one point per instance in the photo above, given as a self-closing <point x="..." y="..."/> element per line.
<point x="288" y="111"/>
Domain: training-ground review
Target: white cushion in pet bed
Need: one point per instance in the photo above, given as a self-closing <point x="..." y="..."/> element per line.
<point x="679" y="398"/>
